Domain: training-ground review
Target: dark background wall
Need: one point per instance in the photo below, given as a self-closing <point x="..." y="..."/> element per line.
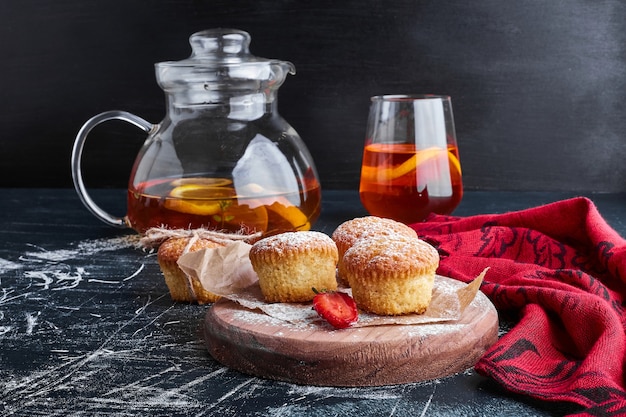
<point x="538" y="87"/>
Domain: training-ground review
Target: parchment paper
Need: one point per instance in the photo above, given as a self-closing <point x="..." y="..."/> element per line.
<point x="227" y="271"/>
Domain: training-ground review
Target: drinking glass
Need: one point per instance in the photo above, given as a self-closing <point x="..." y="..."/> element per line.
<point x="411" y="165"/>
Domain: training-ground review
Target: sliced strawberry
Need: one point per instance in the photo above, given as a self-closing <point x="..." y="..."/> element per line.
<point x="337" y="308"/>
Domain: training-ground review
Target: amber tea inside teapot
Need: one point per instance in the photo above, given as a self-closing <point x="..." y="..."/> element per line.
<point x="222" y="158"/>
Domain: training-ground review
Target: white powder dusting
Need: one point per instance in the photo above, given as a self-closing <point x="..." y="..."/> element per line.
<point x="103" y="281"/>
<point x="48" y="270"/>
<point x="31" y="322"/>
<point x="6" y="266"/>
<point x="6" y="296"/>
<point x="56" y="279"/>
<point x="84" y="248"/>
<point x="293" y="241"/>
<point x="434" y="329"/>
<point x="256" y="318"/>
<point x="363" y="227"/>
<point x="374" y="393"/>
<point x="43" y="270"/>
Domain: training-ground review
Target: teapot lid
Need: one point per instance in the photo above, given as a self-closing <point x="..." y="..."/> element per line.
<point x="219" y="53"/>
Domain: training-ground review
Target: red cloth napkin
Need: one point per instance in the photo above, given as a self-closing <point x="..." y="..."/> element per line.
<point x="560" y="269"/>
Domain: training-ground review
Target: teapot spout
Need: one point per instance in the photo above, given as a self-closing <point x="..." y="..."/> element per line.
<point x="280" y="70"/>
<point x="290" y="68"/>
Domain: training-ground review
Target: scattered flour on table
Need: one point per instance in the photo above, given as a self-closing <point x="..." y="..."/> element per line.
<point x="47" y="268"/>
<point x="6" y="266"/>
<point x="84" y="248"/>
<point x="42" y="270"/>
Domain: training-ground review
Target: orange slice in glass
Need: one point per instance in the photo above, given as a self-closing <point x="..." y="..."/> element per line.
<point x="375" y="174"/>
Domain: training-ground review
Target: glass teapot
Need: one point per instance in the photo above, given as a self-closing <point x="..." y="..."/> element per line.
<point x="222" y="158"/>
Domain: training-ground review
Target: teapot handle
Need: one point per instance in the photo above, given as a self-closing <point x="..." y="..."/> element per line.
<point x="77" y="156"/>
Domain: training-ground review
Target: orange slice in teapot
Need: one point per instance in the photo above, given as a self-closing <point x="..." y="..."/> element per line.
<point x="199" y="198"/>
<point x="286" y="216"/>
<point x="218" y="202"/>
<point x="282" y="214"/>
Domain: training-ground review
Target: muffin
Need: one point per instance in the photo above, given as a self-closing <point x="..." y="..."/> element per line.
<point x="347" y="233"/>
<point x="391" y="275"/>
<point x="291" y="264"/>
<point x="183" y="287"/>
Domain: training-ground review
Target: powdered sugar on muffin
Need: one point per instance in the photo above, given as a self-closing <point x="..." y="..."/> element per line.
<point x="391" y="275"/>
<point x="289" y="265"/>
<point x="349" y="232"/>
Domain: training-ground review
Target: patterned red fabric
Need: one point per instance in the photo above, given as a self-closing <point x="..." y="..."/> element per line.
<point x="560" y="269"/>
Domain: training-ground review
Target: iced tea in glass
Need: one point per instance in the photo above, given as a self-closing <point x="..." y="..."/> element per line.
<point x="411" y="164"/>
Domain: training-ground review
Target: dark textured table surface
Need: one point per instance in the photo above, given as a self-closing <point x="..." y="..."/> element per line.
<point x="87" y="326"/>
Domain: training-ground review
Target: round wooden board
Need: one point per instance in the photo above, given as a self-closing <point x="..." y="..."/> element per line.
<point x="315" y="354"/>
